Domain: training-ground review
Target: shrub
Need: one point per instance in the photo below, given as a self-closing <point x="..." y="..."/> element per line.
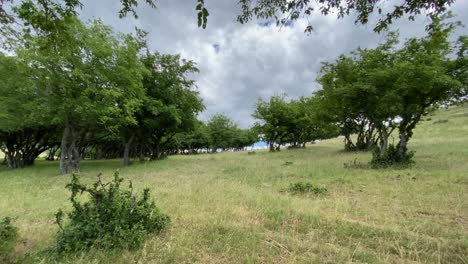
<point x="287" y="163"/>
<point x="306" y="187"/>
<point x="8" y="238"/>
<point x="391" y="157"/>
<point x="251" y="153"/>
<point x="112" y="218"/>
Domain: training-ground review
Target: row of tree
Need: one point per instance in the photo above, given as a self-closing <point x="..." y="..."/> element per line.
<point x="79" y="90"/>
<point x="376" y="92"/>
<point x="292" y="123"/>
<point x="372" y="94"/>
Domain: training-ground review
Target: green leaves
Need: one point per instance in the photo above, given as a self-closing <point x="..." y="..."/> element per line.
<point x="202" y="14"/>
<point x="295" y="122"/>
<point x="111" y="218"/>
<point x="8" y="238"/>
<point x="376" y="91"/>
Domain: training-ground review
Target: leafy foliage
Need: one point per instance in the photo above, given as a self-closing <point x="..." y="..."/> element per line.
<point x="296" y="122"/>
<point x="112" y="218"/>
<point x="279" y="10"/>
<point x="306" y="187"/>
<point x="283" y="11"/>
<point x="8" y="238"/>
<point x="391" y="157"/>
<point x="375" y="92"/>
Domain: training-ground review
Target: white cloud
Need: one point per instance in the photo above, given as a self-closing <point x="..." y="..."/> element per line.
<point x="253" y="61"/>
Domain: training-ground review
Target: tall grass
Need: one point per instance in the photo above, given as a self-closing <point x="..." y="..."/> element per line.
<point x="231" y="207"/>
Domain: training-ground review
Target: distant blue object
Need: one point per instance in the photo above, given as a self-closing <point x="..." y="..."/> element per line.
<point x="260" y="145"/>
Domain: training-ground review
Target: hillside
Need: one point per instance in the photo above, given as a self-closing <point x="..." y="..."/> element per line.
<point x="234" y="208"/>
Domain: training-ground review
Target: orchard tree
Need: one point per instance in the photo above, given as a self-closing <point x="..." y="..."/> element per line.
<point x="394" y="87"/>
<point x="221" y="131"/>
<point x="275" y="119"/>
<point x="307" y="124"/>
<point x="355" y="95"/>
<point x="25" y="128"/>
<point x="170" y="105"/>
<point x="424" y="79"/>
<point x="244" y="138"/>
<point x="90" y="76"/>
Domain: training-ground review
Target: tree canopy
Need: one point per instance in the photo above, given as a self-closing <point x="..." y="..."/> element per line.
<point x="280" y="11"/>
<point x="376" y="91"/>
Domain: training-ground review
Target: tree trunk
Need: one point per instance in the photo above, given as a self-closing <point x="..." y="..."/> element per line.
<point x="402" y="144"/>
<point x="383" y="142"/>
<point x="349" y="143"/>
<point x="63" y="151"/>
<point x="69" y="155"/>
<point x="126" y="155"/>
<point x="142" y="153"/>
<point x="51" y="154"/>
<point x="272" y="147"/>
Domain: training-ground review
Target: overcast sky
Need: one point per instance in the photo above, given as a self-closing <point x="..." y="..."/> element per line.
<point x="241" y="63"/>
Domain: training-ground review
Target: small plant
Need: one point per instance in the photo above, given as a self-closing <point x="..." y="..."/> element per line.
<point x="355" y="165"/>
<point x="306" y="187"/>
<point x="8" y="238"/>
<point x="112" y="218"/>
<point x="391" y="158"/>
<point x="251" y="153"/>
<point x="287" y="163"/>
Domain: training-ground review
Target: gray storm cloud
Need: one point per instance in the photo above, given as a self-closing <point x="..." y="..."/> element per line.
<point x="241" y="63"/>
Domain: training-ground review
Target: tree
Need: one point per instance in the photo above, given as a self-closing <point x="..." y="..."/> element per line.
<point x="221" y="131"/>
<point x="90" y="76"/>
<point x="243" y="138"/>
<point x="275" y="120"/>
<point x="307" y="124"/>
<point x="170" y="105"/>
<point x="25" y="131"/>
<point x="424" y="80"/>
<point x="296" y="122"/>
<point x="353" y="93"/>
<point x="393" y="87"/>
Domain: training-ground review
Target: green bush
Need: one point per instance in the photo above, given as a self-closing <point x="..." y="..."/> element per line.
<point x="391" y="157"/>
<point x="305" y="187"/>
<point x="8" y="238"/>
<point x="111" y="218"/>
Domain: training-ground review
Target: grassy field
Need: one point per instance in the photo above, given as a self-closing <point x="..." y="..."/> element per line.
<point x="232" y="207"/>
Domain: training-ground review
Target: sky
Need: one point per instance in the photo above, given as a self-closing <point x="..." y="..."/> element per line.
<point x="240" y="63"/>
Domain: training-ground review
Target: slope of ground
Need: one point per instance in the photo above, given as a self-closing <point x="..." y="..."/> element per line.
<point x="232" y="207"/>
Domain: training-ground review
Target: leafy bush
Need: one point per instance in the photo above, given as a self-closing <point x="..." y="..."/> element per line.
<point x="112" y="218"/>
<point x="306" y="187"/>
<point x="392" y="157"/>
<point x="8" y="238"/>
